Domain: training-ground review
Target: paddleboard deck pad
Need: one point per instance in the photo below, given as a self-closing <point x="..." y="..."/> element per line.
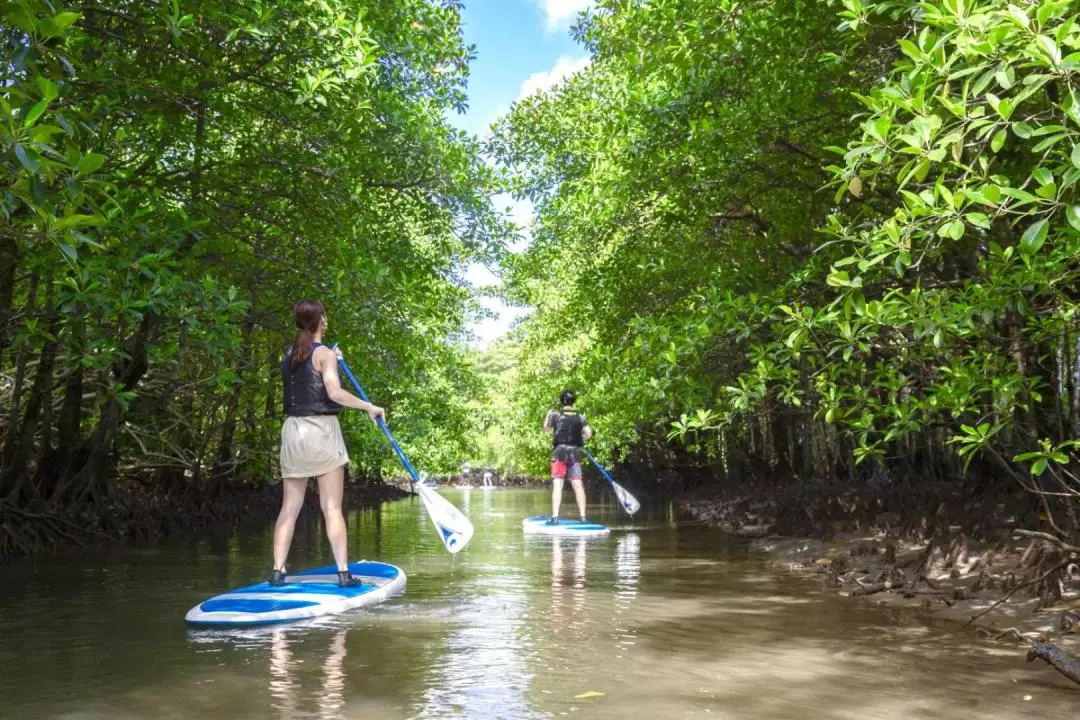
<point x="305" y="594"/>
<point x="537" y="525"/>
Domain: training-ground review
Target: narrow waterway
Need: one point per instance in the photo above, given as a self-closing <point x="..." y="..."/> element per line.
<point x="656" y="620"/>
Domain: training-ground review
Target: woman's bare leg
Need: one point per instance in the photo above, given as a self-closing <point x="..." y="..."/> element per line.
<point x="292" y="499"/>
<point x="331" y="487"/>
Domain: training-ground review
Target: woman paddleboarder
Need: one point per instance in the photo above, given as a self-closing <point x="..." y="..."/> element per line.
<point x="311" y="441"/>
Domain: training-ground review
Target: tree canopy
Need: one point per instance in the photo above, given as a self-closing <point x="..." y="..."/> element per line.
<point x="820" y="250"/>
<point x="177" y="174"/>
<point x="814" y="243"/>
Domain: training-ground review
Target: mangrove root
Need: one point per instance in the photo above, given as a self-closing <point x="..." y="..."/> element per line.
<point x="1064" y="663"/>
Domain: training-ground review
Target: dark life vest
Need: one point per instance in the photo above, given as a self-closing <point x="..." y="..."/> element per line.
<point x="305" y="393"/>
<point x="568" y="428"/>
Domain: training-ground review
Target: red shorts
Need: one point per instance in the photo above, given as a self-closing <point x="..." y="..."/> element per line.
<point x="566" y="460"/>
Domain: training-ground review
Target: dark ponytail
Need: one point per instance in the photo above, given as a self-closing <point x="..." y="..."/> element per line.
<point x="308" y="314"/>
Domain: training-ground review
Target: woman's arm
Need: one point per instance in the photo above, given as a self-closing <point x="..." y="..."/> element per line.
<point x="326" y="361"/>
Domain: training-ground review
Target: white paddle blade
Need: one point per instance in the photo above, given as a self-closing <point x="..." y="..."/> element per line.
<point x="454" y="529"/>
<point x="628" y="501"/>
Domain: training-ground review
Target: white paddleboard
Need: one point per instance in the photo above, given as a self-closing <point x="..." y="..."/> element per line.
<point x="537" y="525"/>
<point x="306" y="594"/>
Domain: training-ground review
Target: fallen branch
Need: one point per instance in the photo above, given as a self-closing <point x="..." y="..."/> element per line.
<point x="1029" y="583"/>
<point x="1064" y="663"/>
<point x="1048" y="538"/>
<point x="1012" y="633"/>
<point x="863" y="590"/>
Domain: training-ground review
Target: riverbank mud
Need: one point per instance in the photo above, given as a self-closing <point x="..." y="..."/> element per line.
<point x="138" y="514"/>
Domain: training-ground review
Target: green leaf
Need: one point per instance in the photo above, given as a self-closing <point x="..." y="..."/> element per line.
<point x="89" y="162"/>
<point x="1048" y="191"/>
<point x="35" y="112"/>
<point x="998" y="141"/>
<point x="1048" y="46"/>
<point x="1022" y="130"/>
<point x="837" y="279"/>
<point x="1049" y="142"/>
<point x="1076" y="156"/>
<point x="28" y="159"/>
<point x="911" y="50"/>
<point x="1019" y="16"/>
<point x="76" y="220"/>
<point x="978" y="219"/>
<point x="953" y="229"/>
<point x="64" y="20"/>
<point x="58" y="24"/>
<point x="1034" y="237"/>
<point x="49" y="90"/>
<point x="1038" y="467"/>
<point x="71" y="253"/>
<point x="1073" y="216"/>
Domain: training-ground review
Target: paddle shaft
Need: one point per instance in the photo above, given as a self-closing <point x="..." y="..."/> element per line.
<point x="380" y="422"/>
<point x="598" y="465"/>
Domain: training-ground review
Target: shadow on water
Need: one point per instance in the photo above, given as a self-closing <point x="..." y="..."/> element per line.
<point x="654" y="620"/>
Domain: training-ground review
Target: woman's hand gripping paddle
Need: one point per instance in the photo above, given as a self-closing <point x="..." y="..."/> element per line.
<point x="628" y="501"/>
<point x="454" y="529"/>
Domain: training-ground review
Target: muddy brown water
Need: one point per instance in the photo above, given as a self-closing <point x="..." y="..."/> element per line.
<point x="657" y="620"/>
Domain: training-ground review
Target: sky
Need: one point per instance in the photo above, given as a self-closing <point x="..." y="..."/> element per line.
<point x="522" y="46"/>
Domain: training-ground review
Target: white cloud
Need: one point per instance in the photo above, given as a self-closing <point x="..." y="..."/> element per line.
<point x="540" y="81"/>
<point x="558" y="12"/>
<point x="488" y="330"/>
<point x="480" y="276"/>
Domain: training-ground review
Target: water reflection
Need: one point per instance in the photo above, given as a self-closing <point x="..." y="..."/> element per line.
<point x="283" y="686"/>
<point x="285" y="689"/>
<point x="656" y="622"/>
<point x="568" y="557"/>
<point x="627" y="573"/>
<point x="332" y="699"/>
<point x="482" y="671"/>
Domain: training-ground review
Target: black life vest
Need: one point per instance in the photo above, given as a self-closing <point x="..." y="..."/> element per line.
<point x="568" y="428"/>
<point x="305" y="393"/>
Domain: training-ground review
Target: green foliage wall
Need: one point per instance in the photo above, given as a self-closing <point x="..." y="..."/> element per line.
<point x="814" y="239"/>
<point x="177" y="174"/>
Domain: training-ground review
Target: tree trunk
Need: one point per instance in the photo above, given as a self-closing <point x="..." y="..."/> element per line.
<point x="96" y="451"/>
<point x="14" y="473"/>
<point x="11" y="438"/>
<point x="9" y="260"/>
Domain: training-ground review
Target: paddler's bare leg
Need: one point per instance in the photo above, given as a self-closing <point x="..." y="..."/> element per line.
<point x="292" y="500"/>
<point x="579" y="488"/>
<point x="556" y="496"/>
<point x="331" y="488"/>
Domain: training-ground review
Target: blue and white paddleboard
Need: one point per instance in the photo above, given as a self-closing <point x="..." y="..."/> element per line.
<point x="306" y="594"/>
<point x="537" y="525"/>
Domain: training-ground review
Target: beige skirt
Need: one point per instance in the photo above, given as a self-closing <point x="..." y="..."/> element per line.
<point x="311" y="446"/>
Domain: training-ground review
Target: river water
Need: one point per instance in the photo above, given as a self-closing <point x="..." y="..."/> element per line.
<point x="656" y="620"/>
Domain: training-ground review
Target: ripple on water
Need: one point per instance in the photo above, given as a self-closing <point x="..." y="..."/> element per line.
<point x="654" y="620"/>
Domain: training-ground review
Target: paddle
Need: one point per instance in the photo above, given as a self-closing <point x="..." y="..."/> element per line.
<point x="454" y="529"/>
<point x="628" y="501"/>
